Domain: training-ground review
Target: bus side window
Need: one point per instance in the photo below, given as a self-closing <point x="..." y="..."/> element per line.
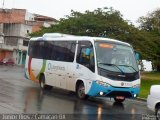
<point x="85" y="55"/>
<point x="61" y="50"/>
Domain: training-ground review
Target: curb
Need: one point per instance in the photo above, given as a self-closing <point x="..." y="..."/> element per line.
<point x="141" y="99"/>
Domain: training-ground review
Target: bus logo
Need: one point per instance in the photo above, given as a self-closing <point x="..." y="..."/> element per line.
<point x="122" y="83"/>
<point x="126" y="84"/>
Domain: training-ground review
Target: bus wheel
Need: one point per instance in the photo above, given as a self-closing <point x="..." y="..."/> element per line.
<point x="158" y="113"/>
<point x="81" y="92"/>
<point x="119" y="99"/>
<point x="43" y="86"/>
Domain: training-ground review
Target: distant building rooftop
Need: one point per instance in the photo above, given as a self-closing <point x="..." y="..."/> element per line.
<point x="44" y="18"/>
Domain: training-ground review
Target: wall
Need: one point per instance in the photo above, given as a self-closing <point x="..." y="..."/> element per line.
<point x="29" y="16"/>
<point x="5" y="54"/>
<point x="2" y="55"/>
<point x="25" y="29"/>
<point x="1" y="28"/>
<point x="12" y="15"/>
<point x="37" y="26"/>
<point x="14" y="29"/>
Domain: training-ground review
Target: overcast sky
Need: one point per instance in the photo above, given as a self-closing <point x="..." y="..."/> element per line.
<point x="130" y="9"/>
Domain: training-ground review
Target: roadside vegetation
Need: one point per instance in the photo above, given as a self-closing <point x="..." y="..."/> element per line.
<point x="148" y="79"/>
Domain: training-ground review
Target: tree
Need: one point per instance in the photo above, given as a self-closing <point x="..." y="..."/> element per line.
<point x="100" y="22"/>
<point x="151" y="24"/>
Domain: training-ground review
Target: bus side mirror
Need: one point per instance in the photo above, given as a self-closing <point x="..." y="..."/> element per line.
<point x="137" y="55"/>
<point x="88" y="51"/>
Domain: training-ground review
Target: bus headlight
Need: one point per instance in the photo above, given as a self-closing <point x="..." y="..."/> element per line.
<point x="136" y="86"/>
<point x="102" y="83"/>
<point x="101" y="93"/>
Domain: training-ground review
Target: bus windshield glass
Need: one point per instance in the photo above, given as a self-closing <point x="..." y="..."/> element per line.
<point x="115" y="57"/>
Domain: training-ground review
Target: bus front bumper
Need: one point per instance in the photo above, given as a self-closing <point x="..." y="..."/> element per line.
<point x="97" y="90"/>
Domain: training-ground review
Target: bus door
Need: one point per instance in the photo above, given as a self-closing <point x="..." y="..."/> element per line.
<point x="85" y="60"/>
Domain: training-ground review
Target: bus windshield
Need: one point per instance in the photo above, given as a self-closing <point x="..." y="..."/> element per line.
<point x="115" y="57"/>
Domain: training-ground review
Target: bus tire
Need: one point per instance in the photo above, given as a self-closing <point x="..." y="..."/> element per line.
<point x="157" y="112"/>
<point x="80" y="92"/>
<point x="42" y="84"/>
<point x="119" y="100"/>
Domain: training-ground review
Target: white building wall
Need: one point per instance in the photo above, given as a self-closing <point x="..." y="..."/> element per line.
<point x="46" y="24"/>
<point x="25" y="29"/>
<point x="21" y="47"/>
<point x="29" y="16"/>
<point x="15" y="56"/>
<point x="13" y="29"/>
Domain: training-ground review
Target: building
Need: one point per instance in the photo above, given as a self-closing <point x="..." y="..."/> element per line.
<point x="42" y="21"/>
<point x="15" y="25"/>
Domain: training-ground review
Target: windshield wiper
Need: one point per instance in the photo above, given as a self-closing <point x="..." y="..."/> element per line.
<point x="129" y="66"/>
<point x="109" y="64"/>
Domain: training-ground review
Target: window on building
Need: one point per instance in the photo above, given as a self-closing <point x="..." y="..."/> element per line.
<point x="27" y="31"/>
<point x="11" y="41"/>
<point x="25" y="42"/>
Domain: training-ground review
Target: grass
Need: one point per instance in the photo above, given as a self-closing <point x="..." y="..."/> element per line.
<point x="150" y="75"/>
<point x="148" y="79"/>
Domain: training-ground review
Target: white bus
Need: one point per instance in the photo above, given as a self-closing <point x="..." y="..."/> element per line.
<point x="89" y="66"/>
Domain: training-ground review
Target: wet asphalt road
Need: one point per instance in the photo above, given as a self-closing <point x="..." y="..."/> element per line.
<point x="19" y="95"/>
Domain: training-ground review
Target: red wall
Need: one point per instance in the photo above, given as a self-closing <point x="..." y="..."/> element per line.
<point x="6" y="54"/>
<point x="12" y="16"/>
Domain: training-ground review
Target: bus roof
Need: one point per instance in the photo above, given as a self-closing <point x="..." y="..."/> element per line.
<point x="62" y="37"/>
